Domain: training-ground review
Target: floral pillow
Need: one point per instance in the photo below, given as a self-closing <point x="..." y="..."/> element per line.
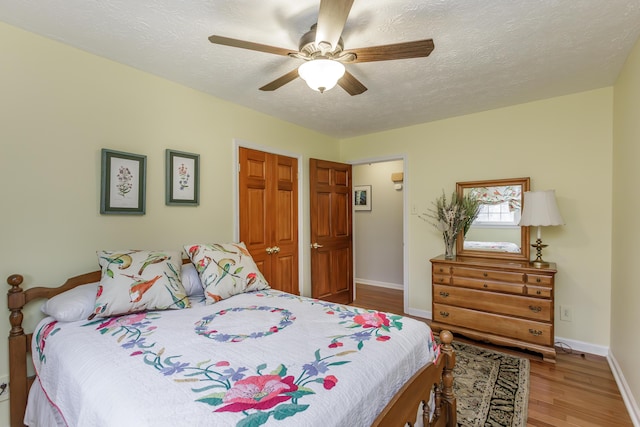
<point x="135" y="280"/>
<point x="225" y="269"/>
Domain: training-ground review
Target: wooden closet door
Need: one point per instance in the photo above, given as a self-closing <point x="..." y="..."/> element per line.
<point x="331" y="231"/>
<point x="268" y="198"/>
<point x="284" y="261"/>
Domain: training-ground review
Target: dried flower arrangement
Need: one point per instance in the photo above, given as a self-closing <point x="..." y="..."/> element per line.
<point x="453" y="216"/>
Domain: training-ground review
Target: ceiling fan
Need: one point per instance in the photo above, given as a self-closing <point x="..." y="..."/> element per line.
<point x="323" y="51"/>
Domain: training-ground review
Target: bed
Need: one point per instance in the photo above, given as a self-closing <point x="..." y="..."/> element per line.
<point x="256" y="357"/>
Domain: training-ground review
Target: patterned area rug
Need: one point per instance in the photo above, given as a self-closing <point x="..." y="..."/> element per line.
<point x="492" y="388"/>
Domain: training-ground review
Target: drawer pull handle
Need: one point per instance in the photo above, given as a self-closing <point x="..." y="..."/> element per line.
<point x="538" y="280"/>
<point x="538" y="292"/>
<point x="444" y="314"/>
<point x="442" y="280"/>
<point x="535" y="332"/>
<point x="441" y="270"/>
<point x="485" y="286"/>
<point x="537" y="309"/>
<point x="485" y="274"/>
<point x="444" y="294"/>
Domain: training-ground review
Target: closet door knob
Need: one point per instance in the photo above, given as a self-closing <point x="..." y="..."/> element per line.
<point x="315" y="245"/>
<point x="270" y="250"/>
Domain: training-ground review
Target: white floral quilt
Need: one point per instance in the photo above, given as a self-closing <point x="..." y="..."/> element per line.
<point x="261" y="358"/>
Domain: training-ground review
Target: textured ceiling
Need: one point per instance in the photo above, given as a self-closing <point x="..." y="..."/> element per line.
<point x="488" y="53"/>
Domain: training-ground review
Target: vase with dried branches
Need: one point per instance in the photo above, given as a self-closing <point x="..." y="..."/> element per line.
<point x="453" y="216"/>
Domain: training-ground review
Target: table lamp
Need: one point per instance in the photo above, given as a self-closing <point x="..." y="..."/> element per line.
<point x="540" y="210"/>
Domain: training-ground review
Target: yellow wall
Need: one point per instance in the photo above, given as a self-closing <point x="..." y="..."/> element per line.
<point x="625" y="292"/>
<point x="562" y="143"/>
<point x="59" y="107"/>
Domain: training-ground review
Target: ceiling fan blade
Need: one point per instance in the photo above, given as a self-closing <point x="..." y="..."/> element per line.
<point x="407" y="50"/>
<point x="350" y="84"/>
<point x="281" y="81"/>
<point x="226" y="41"/>
<point x="331" y="19"/>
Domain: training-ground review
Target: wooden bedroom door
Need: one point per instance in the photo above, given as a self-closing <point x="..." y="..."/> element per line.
<point x="331" y="231"/>
<point x="268" y="206"/>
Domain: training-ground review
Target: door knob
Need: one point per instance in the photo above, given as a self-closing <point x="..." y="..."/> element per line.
<point x="275" y="249"/>
<point x="269" y="250"/>
<point x="316" y="246"/>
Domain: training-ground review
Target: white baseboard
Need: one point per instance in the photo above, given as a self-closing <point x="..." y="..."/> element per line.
<point x="419" y="313"/>
<point x="623" y="386"/>
<point x="582" y="347"/>
<point x="399" y="287"/>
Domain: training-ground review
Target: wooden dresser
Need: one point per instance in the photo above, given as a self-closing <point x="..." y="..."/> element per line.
<point x="500" y="301"/>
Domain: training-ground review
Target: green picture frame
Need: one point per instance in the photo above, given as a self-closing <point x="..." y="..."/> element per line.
<point x="182" y="186"/>
<point x="123" y="183"/>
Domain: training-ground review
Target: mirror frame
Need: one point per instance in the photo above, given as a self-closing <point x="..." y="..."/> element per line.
<point x="524" y="230"/>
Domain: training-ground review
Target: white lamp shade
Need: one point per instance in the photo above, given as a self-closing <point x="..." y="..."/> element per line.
<point x="540" y="209"/>
<point x="321" y="74"/>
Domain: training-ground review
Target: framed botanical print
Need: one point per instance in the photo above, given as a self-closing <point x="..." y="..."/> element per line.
<point x="123" y="182"/>
<point x="182" y="178"/>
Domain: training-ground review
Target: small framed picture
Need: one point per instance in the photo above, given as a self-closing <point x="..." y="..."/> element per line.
<point x="182" y="178"/>
<point x="362" y="197"/>
<point x="123" y="181"/>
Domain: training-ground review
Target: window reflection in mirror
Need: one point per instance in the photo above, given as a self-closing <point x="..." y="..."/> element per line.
<point x="495" y="233"/>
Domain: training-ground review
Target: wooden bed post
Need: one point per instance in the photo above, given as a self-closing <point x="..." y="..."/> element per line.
<point x="446" y="338"/>
<point x="18" y="346"/>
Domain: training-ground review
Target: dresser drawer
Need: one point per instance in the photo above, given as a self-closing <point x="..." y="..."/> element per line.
<point x="441" y="279"/>
<point x="511" y="305"/>
<point x="521" y="329"/>
<point x="475" y="273"/>
<point x="488" y="285"/>
<point x="538" y="291"/>
<point x="441" y="269"/>
<point x="539" y="280"/>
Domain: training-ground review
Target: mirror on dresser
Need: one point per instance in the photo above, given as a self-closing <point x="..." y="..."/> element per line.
<point x="496" y="233"/>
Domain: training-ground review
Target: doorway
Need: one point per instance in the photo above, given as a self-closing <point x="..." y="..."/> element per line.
<point x="379" y="226"/>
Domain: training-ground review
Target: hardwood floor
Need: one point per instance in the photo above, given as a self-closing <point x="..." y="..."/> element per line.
<point x="579" y="390"/>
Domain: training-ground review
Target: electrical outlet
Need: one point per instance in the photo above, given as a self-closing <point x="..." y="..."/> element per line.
<point x="566" y="313"/>
<point x="4" y="388"/>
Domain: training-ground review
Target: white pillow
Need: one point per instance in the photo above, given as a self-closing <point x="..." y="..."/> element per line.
<point x="191" y="281"/>
<point x="72" y="305"/>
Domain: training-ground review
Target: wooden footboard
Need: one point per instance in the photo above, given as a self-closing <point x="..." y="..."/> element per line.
<point x="402" y="410"/>
<point x="413" y="399"/>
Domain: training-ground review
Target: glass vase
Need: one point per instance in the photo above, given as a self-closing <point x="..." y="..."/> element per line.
<point x="449" y="247"/>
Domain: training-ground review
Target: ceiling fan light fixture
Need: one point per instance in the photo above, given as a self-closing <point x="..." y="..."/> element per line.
<point x="321" y="74"/>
